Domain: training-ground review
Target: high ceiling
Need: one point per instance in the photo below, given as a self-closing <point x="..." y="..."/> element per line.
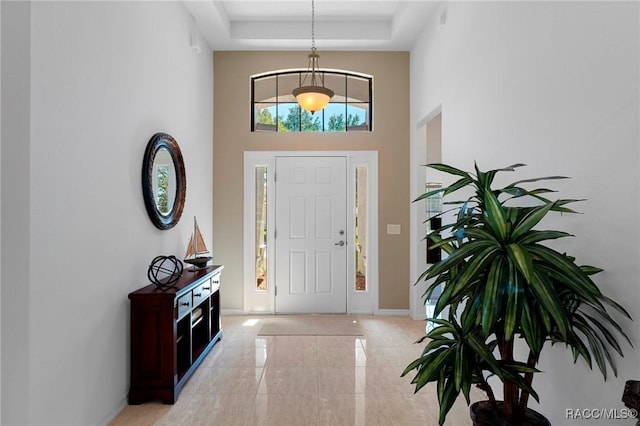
<point x="286" y="24"/>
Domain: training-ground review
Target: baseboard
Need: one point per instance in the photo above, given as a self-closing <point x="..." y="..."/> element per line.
<point x="393" y="312"/>
<point x="381" y="312"/>
<point x="114" y="412"/>
<point x="363" y="312"/>
<point x="232" y="312"/>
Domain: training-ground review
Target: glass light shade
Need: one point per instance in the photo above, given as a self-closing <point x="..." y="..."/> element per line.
<point x="313" y="98"/>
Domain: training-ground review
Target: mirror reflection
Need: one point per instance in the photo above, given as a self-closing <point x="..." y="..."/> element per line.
<point x="164" y="181"/>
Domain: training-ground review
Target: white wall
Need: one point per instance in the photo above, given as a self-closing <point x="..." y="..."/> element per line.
<point x="105" y="76"/>
<point x="554" y="85"/>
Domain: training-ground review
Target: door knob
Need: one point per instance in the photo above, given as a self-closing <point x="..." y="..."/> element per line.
<point x="339" y="243"/>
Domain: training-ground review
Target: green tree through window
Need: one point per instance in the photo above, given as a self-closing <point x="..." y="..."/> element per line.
<point x="336" y="123"/>
<point x="297" y="121"/>
<point x="265" y="117"/>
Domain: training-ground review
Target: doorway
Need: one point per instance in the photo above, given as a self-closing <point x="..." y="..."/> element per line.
<point x="426" y="149"/>
<point x="310" y="232"/>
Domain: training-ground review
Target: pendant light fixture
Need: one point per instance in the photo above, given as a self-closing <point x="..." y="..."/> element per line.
<point x="313" y="97"/>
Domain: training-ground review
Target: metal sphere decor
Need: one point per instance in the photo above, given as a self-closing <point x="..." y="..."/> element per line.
<point x="164" y="271"/>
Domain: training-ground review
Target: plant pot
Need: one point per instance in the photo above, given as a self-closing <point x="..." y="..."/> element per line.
<point x="483" y="414"/>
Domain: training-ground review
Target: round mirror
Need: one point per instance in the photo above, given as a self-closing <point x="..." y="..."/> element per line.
<point x="163" y="181"/>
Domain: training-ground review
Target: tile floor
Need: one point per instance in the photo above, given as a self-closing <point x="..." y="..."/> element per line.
<point x="304" y="380"/>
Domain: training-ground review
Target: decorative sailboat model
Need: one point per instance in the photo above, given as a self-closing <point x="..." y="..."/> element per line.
<point x="197" y="253"/>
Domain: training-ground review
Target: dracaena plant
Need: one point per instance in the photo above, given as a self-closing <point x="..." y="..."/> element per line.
<point x="500" y="284"/>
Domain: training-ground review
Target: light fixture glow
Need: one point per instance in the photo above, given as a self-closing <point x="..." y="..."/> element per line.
<point x="313" y="97"/>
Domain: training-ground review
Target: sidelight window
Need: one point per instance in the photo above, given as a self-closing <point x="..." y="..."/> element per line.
<point x="361" y="228"/>
<point x="261" y="228"/>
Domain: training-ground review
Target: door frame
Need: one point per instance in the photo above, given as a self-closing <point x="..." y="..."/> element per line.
<point x="263" y="302"/>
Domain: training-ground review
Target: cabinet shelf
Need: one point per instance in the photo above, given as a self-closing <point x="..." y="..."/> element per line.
<point x="198" y="321"/>
<point x="165" y="350"/>
<point x="196" y="317"/>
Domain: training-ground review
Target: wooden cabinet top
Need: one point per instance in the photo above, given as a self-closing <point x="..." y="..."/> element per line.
<point x="188" y="280"/>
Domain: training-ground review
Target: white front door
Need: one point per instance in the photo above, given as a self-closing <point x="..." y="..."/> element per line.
<point x="311" y="240"/>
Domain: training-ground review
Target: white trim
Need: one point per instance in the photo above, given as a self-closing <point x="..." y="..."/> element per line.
<point x="306" y="70"/>
<point x="114" y="412"/>
<point x="356" y="312"/>
<point x="256" y="302"/>
<point x="418" y="246"/>
<point x="393" y="312"/>
<point x="231" y="312"/>
<point x="364" y="301"/>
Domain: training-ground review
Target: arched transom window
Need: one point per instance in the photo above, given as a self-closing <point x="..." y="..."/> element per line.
<point x="274" y="108"/>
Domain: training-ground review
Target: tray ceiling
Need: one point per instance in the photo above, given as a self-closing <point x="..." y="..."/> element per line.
<point x="286" y="24"/>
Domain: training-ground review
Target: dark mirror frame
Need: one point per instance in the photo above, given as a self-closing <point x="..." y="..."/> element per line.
<point x="157" y="142"/>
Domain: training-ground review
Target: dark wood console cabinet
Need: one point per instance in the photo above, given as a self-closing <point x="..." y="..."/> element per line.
<point x="171" y="333"/>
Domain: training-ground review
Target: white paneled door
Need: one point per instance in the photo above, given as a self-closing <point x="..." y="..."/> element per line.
<point x="311" y="235"/>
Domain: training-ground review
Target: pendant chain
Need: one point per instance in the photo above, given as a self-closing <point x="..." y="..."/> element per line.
<point x="313" y="29"/>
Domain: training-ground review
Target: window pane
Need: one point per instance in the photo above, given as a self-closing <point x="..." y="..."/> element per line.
<point x="334" y="118"/>
<point x="261" y="228"/>
<point x="335" y="82"/>
<point x="357" y="117"/>
<point x="358" y="89"/>
<point x="286" y="84"/>
<point x="265" y="117"/>
<point x="291" y="118"/>
<point x="264" y="89"/>
<point x="361" y="228"/>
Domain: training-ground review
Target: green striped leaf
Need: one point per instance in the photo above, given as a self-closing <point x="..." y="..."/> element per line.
<point x="429" y="194"/>
<point x="495" y="216"/>
<point x="569" y="273"/>
<point x="514" y="294"/>
<point x="539" y="179"/>
<point x="595" y="348"/>
<point x="460" y="183"/>
<point x="459" y="256"/>
<point x="534" y="236"/>
<point x="448" y="169"/>
<point x="590" y="270"/>
<point x="522" y="260"/>
<point x="446" y="400"/>
<point x="459" y="366"/>
<point x="531" y="219"/>
<point x="549" y="303"/>
<point x="530" y="329"/>
<point x="489" y="305"/>
<point x="474" y="269"/>
<point x="606" y="333"/>
<point x="543" y="290"/>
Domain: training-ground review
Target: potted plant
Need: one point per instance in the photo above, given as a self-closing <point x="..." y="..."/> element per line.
<point x="502" y="288"/>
